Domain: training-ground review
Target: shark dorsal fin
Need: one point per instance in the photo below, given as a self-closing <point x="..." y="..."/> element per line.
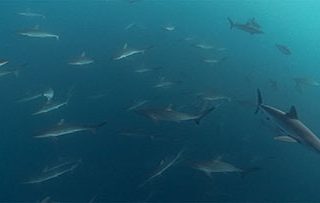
<point x="169" y="107"/>
<point x="162" y="162"/>
<point x="292" y="113"/>
<point x="61" y="122"/>
<point x="125" y="46"/>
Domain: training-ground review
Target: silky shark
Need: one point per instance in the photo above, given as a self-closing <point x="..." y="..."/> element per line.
<point x="51" y="106"/>
<point x="246" y="27"/>
<point x="216" y="166"/>
<point x="36" y="33"/>
<point x="164" y="166"/>
<point x="289" y="124"/>
<point x="283" y="49"/>
<point x="212" y="166"/>
<point x="168" y="114"/>
<point x="127" y="52"/>
<point x="64" y="129"/>
<point x="31" y="14"/>
<point x="302" y="82"/>
<point x="54" y="172"/>
<point x="81" y="60"/>
<point x="137" y="105"/>
<point x="3" y="62"/>
<point x="48" y="94"/>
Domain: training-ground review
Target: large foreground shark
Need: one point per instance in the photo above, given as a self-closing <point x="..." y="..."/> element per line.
<point x="290" y="125"/>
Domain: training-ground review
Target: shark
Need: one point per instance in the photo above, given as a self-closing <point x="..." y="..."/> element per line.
<point x="246" y="27"/>
<point x="36" y="33"/>
<point x="48" y="94"/>
<point x="169" y="28"/>
<point x="168" y="114"/>
<point x="164" y="166"/>
<point x="65" y="129"/>
<point x="216" y="166"/>
<point x="302" y="82"/>
<point x="137" y="105"/>
<point x="54" y="172"/>
<point x="31" y="14"/>
<point x="8" y="72"/>
<point x="81" y="60"/>
<point x="51" y="106"/>
<point x="126" y="52"/>
<point x="212" y="166"/>
<point x="3" y="62"/>
<point x="289" y="124"/>
<point x="283" y="49"/>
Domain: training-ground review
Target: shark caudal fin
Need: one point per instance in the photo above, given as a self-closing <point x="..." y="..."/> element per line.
<point x="93" y="128"/>
<point x="203" y="114"/>
<point x="259" y="100"/>
<point x="231" y="23"/>
<point x="99" y="125"/>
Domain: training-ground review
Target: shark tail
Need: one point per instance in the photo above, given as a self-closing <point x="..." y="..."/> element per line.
<point x="231" y="23"/>
<point x="259" y="100"/>
<point x="93" y="128"/>
<point x="203" y="114"/>
<point x="148" y="48"/>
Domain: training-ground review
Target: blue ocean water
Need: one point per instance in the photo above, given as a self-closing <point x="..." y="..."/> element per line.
<point x="189" y="45"/>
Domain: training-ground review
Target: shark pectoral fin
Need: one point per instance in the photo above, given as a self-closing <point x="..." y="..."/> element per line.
<point x="259" y="100"/>
<point x="285" y="138"/>
<point x="93" y="128"/>
<point x="231" y="23"/>
<point x="61" y="122"/>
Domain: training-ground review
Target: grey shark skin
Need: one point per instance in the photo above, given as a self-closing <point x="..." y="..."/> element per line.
<point x="39" y="34"/>
<point x="283" y="49"/>
<point x="164" y="166"/>
<point x="8" y="72"/>
<point x="31" y="14"/>
<point x="63" y="129"/>
<point x="167" y="114"/>
<point x="303" y="82"/>
<point x="51" y="106"/>
<point x="81" y="60"/>
<point x="54" y="172"/>
<point x="247" y="27"/>
<point x="216" y="166"/>
<point x="290" y="125"/>
<point x="48" y="94"/>
<point x="126" y="52"/>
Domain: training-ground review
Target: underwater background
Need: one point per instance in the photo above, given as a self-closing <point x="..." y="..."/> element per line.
<point x="119" y="157"/>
